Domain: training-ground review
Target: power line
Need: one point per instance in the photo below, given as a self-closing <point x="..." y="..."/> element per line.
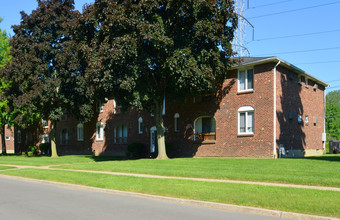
<point x="298" y="35"/>
<point x="336" y="80"/>
<point x="318" y="62"/>
<point x="276" y="3"/>
<point x="294" y="10"/>
<point x="302" y="51"/>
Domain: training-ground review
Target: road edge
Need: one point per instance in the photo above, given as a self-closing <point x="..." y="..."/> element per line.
<point x="197" y="203"/>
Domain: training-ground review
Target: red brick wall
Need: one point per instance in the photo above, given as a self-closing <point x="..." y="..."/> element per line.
<point x="9" y="132"/>
<point x="298" y="98"/>
<point x="290" y="96"/>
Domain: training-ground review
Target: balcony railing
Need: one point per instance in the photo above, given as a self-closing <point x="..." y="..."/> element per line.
<point x="205" y="136"/>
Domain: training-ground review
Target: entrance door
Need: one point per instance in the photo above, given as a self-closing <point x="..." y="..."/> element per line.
<point x="153" y="140"/>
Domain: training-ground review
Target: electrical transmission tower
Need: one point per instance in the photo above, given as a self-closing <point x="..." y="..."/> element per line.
<point x="240" y="38"/>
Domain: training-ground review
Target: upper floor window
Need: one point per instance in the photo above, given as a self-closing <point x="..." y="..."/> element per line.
<point x="246" y="120"/>
<point x="80" y="132"/>
<point x="99" y="131"/>
<point x="44" y="123"/>
<point x="140" y="125"/>
<point x="120" y="134"/>
<point x="246" y="80"/>
<point x="117" y="107"/>
<point x="100" y="106"/>
<point x="176" y="122"/>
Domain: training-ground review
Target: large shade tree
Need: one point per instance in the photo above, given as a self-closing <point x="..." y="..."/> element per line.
<point x="147" y="51"/>
<point x="5" y="114"/>
<point x="47" y="69"/>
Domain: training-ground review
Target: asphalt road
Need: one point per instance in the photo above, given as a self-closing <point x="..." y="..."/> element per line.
<point x="21" y="200"/>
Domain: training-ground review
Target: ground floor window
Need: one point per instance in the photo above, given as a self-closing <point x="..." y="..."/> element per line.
<point x="45" y="138"/>
<point x="121" y="134"/>
<point x="246" y="120"/>
<point x="64" y="136"/>
<point x="205" y="129"/>
<point x="80" y="132"/>
<point x="100" y="131"/>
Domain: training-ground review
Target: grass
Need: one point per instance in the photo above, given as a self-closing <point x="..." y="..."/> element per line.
<point x="6" y="167"/>
<point x="320" y="171"/>
<point x="43" y="160"/>
<point x="317" y="202"/>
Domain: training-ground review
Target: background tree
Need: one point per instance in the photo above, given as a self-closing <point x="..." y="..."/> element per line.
<point x="333" y="115"/>
<point x="147" y="51"/>
<point x="46" y="72"/>
<point x="5" y="114"/>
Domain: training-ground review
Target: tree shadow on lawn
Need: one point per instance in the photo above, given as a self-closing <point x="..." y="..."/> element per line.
<point x="328" y="157"/>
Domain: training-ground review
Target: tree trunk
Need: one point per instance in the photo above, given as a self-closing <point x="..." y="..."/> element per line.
<point x="160" y="131"/>
<point x="3" y="141"/>
<point x="53" y="141"/>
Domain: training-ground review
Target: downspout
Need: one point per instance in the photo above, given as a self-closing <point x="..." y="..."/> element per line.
<point x="324" y="122"/>
<point x="275" y="117"/>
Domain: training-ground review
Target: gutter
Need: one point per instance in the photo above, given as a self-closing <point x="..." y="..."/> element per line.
<point x="275" y="117"/>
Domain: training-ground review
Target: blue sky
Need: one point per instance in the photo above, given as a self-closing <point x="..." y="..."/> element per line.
<point x="305" y="33"/>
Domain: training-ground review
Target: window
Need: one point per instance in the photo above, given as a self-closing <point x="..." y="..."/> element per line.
<point x="205" y="129"/>
<point x="176" y="122"/>
<point x="120" y="134"/>
<point x="7" y="138"/>
<point x="44" y="123"/>
<point x="29" y="137"/>
<point x="19" y="137"/>
<point x="306" y="119"/>
<point x="246" y="120"/>
<point x="80" y="132"/>
<point x="99" y="131"/>
<point x="299" y="79"/>
<point x="45" y="138"/>
<point x="300" y="118"/>
<point x="306" y="81"/>
<point x="117" y="108"/>
<point x="140" y="125"/>
<point x="64" y="136"/>
<point x="100" y="106"/>
<point x="246" y="80"/>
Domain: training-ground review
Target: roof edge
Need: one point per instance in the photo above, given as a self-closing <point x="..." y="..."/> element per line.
<point x="285" y="63"/>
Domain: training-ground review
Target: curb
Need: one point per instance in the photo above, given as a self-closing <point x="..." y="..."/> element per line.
<point x="212" y="205"/>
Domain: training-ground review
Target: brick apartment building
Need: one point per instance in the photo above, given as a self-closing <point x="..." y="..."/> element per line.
<point x="266" y="104"/>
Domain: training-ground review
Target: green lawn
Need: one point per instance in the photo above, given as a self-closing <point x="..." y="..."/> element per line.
<point x="5" y="167"/>
<point x="317" y="202"/>
<point x="320" y="171"/>
<point x="43" y="160"/>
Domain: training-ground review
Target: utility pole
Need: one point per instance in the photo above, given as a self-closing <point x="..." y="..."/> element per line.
<point x="240" y="39"/>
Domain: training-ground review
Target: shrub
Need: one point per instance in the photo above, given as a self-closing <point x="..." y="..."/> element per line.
<point x="136" y="150"/>
<point x="45" y="148"/>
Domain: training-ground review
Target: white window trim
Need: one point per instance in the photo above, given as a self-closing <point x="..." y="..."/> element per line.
<point x="246" y="80"/>
<point x="140" y="125"/>
<point x="176" y="117"/>
<point x="100" y="130"/>
<point x="245" y="109"/>
<point x="80" y="125"/>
